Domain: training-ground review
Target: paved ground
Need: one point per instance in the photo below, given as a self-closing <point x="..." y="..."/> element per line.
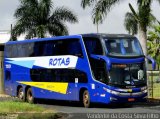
<point x="75" y="110"/>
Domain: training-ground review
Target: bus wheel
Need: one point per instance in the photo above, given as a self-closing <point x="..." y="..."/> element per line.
<point x="21" y="94"/>
<point x="30" y="97"/>
<point x="86" y="99"/>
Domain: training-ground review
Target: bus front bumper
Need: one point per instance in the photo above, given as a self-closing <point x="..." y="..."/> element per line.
<point x="126" y="97"/>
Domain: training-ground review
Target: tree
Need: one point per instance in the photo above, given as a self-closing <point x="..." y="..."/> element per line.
<point x="35" y="18"/>
<point x="153" y="44"/>
<point x="102" y="7"/>
<point x="131" y="24"/>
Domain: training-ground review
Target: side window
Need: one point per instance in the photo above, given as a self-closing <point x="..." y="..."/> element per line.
<point x="74" y="48"/>
<point x="21" y="50"/>
<point x="58" y="75"/>
<point x="82" y="76"/>
<point x="69" y="47"/>
<point x="93" y="46"/>
<point x="38" y="48"/>
<point x="25" y="50"/>
<point x="29" y="49"/>
<point x="8" y="51"/>
<point x="49" y="48"/>
<point x="99" y="70"/>
<point x="14" y="50"/>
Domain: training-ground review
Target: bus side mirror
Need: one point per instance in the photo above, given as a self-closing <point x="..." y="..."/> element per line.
<point x="153" y="62"/>
<point x="100" y="57"/>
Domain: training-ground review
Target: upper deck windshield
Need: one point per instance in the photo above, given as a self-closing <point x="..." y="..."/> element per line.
<point x="123" y="47"/>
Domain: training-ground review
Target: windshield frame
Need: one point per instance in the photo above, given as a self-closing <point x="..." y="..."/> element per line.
<point x="121" y="55"/>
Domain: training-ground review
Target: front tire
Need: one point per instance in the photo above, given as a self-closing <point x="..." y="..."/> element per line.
<point x="86" y="99"/>
<point x="30" y="97"/>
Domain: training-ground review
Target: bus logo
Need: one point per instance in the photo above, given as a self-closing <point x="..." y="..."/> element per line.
<point x="59" y="61"/>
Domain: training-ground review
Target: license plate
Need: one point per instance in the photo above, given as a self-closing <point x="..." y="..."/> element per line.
<point x="131" y="99"/>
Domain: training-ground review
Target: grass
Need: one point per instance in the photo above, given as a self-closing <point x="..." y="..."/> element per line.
<point x="17" y="106"/>
<point x="22" y="110"/>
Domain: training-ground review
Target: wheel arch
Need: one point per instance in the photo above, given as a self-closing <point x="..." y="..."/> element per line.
<point x="18" y="87"/>
<point x="81" y="93"/>
<point x="26" y="88"/>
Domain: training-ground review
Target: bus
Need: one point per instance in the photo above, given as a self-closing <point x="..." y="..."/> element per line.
<point x="90" y="68"/>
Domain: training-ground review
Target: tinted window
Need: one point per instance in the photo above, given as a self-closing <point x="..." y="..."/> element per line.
<point x="123" y="47"/>
<point x="25" y="50"/>
<point x="69" y="47"/>
<point x="45" y="48"/>
<point x="14" y="51"/>
<point x="93" y="46"/>
<point x="57" y="75"/>
<point x="8" y="51"/>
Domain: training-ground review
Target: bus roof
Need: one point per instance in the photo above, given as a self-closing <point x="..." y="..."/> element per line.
<point x="108" y="35"/>
<point x="96" y="35"/>
<point x="43" y="39"/>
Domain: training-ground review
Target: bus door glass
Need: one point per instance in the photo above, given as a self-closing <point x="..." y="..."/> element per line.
<point x="98" y="66"/>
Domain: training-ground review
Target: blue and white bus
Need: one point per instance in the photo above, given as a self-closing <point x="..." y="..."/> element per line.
<point x="91" y="68"/>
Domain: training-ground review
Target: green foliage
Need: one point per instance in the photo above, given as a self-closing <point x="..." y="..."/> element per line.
<point x="133" y="19"/>
<point x="85" y="3"/>
<point x="130" y="23"/>
<point x="153" y="43"/>
<point x="35" y="18"/>
<point x="100" y="8"/>
<point x="15" y="107"/>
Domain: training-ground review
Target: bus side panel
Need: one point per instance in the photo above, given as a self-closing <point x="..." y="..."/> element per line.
<point x="70" y="94"/>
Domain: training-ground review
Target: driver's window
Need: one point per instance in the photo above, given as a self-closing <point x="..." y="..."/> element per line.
<point x="93" y="46"/>
<point x="98" y="67"/>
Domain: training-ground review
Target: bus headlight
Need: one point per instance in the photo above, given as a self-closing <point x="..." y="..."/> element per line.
<point x="111" y="91"/>
<point x="115" y="92"/>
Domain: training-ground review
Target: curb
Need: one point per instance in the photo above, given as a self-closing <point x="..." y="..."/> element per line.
<point x="4" y="96"/>
<point x="153" y="100"/>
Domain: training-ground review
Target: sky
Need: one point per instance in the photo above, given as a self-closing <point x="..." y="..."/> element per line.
<point x="114" y="22"/>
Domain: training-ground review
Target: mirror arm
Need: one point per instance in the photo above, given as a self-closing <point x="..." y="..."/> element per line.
<point x="100" y="57"/>
<point x="153" y="62"/>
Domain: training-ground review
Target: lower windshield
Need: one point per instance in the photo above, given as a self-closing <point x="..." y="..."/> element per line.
<point x="124" y="75"/>
<point x="123" y="47"/>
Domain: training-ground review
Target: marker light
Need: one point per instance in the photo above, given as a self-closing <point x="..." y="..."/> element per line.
<point x="119" y="65"/>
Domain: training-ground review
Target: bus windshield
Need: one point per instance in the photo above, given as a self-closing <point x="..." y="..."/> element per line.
<point x="128" y="75"/>
<point x="122" y="47"/>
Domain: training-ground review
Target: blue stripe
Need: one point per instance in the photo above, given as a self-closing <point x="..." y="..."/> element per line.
<point x="126" y="61"/>
<point x="27" y="64"/>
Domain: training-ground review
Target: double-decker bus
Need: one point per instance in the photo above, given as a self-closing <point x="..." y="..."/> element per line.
<point x="91" y="68"/>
